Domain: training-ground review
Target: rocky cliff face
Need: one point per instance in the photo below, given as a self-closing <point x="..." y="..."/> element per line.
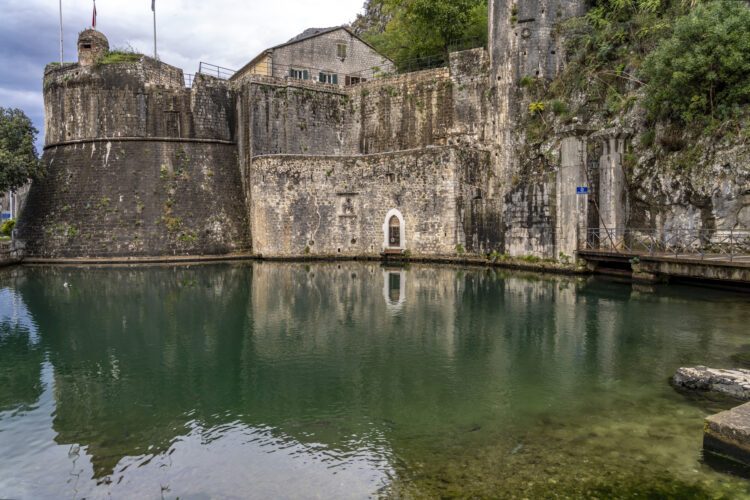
<point x="373" y="20"/>
<point x="674" y="178"/>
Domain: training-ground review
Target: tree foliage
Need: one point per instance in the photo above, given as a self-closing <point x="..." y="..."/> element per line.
<point x="703" y="69"/>
<point x="19" y="161"/>
<point x="424" y="28"/>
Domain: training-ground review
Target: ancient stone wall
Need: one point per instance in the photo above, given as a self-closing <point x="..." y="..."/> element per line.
<point x="138" y="166"/>
<point x="122" y="100"/>
<point x="136" y="198"/>
<point x="341" y="206"/>
<point x="522" y="38"/>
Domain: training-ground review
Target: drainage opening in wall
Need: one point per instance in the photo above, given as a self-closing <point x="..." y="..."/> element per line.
<point x="354" y="241"/>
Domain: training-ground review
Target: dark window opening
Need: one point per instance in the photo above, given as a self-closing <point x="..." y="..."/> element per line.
<point x="354" y="80"/>
<point x="172" y="123"/>
<point x="86" y="46"/>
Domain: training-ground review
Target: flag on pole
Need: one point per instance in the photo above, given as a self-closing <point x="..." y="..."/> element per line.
<point x="93" y="21"/>
<point x="153" y="5"/>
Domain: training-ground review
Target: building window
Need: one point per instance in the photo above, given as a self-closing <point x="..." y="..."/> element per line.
<point x="341" y="50"/>
<point x="331" y="78"/>
<point x="86" y="46"/>
<point x="299" y="74"/>
<point x="354" y="80"/>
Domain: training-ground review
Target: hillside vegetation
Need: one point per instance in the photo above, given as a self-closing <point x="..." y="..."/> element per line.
<point x="405" y="30"/>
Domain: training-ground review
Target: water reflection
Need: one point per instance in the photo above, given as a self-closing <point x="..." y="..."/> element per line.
<point x="277" y="379"/>
<point x="394" y="289"/>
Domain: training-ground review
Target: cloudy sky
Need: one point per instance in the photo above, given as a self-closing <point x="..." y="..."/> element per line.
<point x="224" y="32"/>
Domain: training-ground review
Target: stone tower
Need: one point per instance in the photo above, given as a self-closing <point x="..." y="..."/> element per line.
<point x="92" y="44"/>
<point x="522" y="43"/>
<point x="139" y="164"/>
<point x="521" y="38"/>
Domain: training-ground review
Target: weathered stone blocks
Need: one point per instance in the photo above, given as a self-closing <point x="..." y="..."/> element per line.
<point x="340" y="206"/>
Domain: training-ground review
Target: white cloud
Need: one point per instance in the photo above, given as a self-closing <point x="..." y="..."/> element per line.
<point x="225" y="32"/>
<point x="22" y="99"/>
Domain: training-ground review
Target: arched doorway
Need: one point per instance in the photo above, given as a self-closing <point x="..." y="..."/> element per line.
<point x="394" y="231"/>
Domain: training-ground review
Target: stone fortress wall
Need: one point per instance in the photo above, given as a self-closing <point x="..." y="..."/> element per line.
<point x="142" y="166"/>
<point x="306" y="148"/>
<point x="341" y="205"/>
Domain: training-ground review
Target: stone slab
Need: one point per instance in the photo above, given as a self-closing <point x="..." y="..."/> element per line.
<point x="728" y="433"/>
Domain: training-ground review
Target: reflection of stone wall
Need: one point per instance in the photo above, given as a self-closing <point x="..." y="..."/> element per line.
<point x="338" y="205"/>
<point x="318" y="353"/>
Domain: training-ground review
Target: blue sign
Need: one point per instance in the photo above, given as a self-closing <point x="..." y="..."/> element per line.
<point x="6" y="215"/>
<point x="582" y="190"/>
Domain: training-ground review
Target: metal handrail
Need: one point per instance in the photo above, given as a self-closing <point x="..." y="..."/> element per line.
<point x="728" y="243"/>
<point x="215" y="71"/>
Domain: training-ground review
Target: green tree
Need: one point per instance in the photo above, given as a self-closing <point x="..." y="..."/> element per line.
<point x="19" y="161"/>
<point x="424" y="28"/>
<point x="703" y="69"/>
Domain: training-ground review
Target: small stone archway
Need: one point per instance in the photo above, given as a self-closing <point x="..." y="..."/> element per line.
<point x="394" y="231"/>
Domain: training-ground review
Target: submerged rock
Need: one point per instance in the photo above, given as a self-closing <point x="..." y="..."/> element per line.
<point x="735" y="383"/>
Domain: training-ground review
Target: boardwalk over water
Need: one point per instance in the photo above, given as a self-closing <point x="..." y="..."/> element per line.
<point x="657" y="255"/>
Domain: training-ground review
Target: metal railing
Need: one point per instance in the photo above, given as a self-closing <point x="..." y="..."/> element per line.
<point x="723" y="243"/>
<point x="220" y="72"/>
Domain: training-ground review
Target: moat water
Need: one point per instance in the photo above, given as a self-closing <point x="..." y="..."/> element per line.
<point x="352" y="380"/>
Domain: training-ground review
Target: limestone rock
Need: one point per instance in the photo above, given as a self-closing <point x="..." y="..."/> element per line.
<point x="735" y="383"/>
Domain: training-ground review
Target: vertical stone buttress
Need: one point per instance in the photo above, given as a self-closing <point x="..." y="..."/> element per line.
<point x="522" y="43"/>
<point x="612" y="205"/>
<point x="572" y="206"/>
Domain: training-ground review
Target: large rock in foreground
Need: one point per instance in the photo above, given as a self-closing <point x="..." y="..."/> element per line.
<point x="728" y="433"/>
<point x="735" y="383"/>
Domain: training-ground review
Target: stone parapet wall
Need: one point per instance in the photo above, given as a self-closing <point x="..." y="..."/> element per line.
<point x="136" y="198"/>
<point x="334" y="205"/>
<point x="433" y="107"/>
<point x="124" y="100"/>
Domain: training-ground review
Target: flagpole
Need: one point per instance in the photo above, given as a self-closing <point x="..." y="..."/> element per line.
<point x="153" y="9"/>
<point x="61" y="40"/>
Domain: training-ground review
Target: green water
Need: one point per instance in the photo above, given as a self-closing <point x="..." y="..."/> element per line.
<point x="352" y="380"/>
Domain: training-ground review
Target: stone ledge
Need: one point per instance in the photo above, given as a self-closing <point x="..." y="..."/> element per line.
<point x="735" y="383"/>
<point x="728" y="433"/>
<point x="140" y="260"/>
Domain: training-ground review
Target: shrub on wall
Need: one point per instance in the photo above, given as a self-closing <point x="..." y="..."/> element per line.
<point x="7" y="228"/>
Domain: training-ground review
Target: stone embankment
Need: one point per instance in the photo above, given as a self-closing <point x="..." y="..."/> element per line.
<point x="726" y="433"/>
<point x="9" y="254"/>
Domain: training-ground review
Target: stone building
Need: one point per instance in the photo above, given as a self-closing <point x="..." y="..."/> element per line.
<point x="327" y="55"/>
